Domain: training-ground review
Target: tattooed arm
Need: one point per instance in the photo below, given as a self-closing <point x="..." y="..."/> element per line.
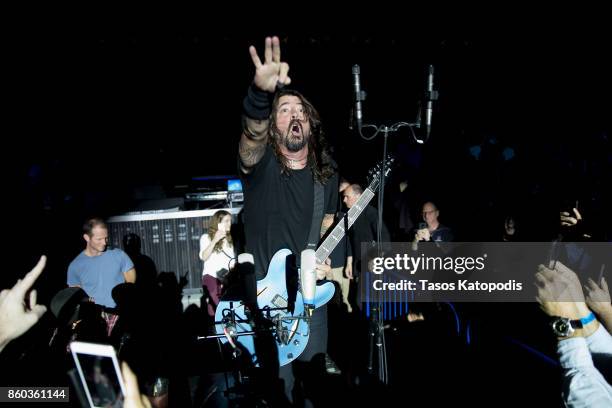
<point x="252" y="143"/>
<point x="268" y="75"/>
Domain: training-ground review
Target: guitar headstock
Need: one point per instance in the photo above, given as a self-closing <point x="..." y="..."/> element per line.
<point x="375" y="173"/>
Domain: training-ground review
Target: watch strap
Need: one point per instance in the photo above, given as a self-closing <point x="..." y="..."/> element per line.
<point x="585" y="320"/>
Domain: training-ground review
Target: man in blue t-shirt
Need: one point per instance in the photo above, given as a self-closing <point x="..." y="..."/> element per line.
<point x="97" y="270"/>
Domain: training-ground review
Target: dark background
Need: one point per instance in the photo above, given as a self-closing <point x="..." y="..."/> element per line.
<point x="114" y="107"/>
<point x="105" y="108"/>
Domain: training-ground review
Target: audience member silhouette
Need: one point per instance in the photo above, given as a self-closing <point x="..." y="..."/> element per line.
<point x="144" y="265"/>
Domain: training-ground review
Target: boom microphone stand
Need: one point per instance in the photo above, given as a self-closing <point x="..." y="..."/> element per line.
<point x="377" y="334"/>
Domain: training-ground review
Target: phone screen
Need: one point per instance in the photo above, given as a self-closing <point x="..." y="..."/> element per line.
<point x="100" y="377"/>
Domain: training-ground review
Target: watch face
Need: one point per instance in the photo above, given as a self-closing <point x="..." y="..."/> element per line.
<point x="562" y="327"/>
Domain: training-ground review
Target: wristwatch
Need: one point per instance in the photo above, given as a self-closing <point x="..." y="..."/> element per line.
<point x="564" y="327"/>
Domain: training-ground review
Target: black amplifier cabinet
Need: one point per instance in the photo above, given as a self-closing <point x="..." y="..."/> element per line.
<point x="171" y="239"/>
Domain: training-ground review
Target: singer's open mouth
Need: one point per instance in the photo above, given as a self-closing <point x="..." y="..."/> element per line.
<point x="296" y="129"/>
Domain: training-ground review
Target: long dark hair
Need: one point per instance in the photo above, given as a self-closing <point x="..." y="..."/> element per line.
<point x="319" y="157"/>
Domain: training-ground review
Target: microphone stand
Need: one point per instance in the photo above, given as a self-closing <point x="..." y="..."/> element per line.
<point x="232" y="322"/>
<point x="377" y="334"/>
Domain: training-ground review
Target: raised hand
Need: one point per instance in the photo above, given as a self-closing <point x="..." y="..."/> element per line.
<point x="219" y="235"/>
<point x="184" y="280"/>
<point x="133" y="397"/>
<point x="569" y="221"/>
<point x="560" y="292"/>
<point x="272" y="71"/>
<point x="17" y="315"/>
<point x="423" y="235"/>
<point x="598" y="297"/>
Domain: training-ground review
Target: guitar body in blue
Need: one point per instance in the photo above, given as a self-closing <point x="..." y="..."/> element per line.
<point x="272" y="293"/>
<point x="291" y="335"/>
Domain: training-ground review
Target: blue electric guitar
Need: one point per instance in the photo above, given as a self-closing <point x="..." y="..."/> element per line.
<point x="291" y="330"/>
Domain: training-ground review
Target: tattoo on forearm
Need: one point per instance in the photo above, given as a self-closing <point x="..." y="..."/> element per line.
<point x="255" y="129"/>
<point x="250" y="155"/>
<point x="252" y="142"/>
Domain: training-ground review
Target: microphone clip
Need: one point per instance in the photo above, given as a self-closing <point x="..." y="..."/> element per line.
<point x="361" y="96"/>
<point x="431" y="95"/>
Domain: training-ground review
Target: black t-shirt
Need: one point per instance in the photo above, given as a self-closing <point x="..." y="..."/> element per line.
<point x="442" y="234"/>
<point x="277" y="210"/>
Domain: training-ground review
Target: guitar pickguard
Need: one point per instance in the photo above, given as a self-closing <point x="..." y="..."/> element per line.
<point x="279" y="301"/>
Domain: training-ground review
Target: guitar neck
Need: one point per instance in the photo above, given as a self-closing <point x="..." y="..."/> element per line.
<point x="334" y="237"/>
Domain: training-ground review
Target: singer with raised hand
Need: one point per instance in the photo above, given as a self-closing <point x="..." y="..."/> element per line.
<point x="283" y="158"/>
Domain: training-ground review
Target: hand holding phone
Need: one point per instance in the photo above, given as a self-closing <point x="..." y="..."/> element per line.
<point x="423" y="232"/>
<point x="99" y="371"/>
<point x="570" y="216"/>
<point x="597" y="294"/>
<point x="133" y="397"/>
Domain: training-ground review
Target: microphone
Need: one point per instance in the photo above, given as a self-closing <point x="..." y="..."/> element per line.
<point x="308" y="279"/>
<point x="431" y="96"/>
<point x="358" y="98"/>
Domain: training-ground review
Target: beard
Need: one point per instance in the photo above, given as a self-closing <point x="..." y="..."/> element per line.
<point x="295" y="141"/>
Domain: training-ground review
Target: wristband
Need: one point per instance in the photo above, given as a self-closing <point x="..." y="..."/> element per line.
<point x="257" y="104"/>
<point x="588" y="319"/>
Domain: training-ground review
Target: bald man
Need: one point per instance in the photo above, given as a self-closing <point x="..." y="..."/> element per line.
<point x="363" y="231"/>
<point x="433" y="230"/>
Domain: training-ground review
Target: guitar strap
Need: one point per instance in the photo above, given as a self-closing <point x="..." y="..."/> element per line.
<point x="291" y="273"/>
<point x="317" y="216"/>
